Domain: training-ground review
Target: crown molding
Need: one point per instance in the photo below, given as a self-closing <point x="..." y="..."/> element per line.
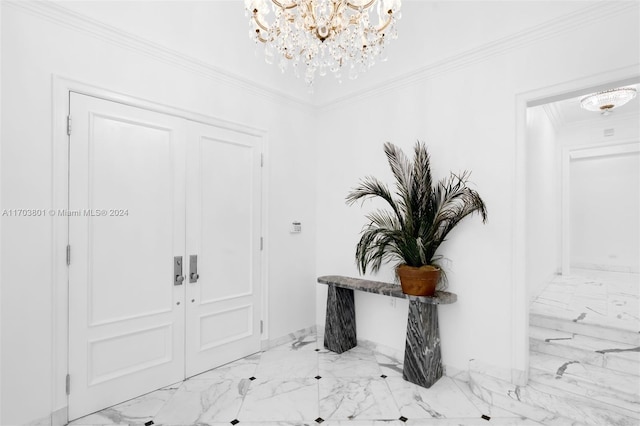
<point x="584" y="17"/>
<point x="84" y="24"/>
<point x="62" y="16"/>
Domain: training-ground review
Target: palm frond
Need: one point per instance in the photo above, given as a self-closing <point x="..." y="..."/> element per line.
<point x="370" y="187"/>
<point x="455" y="201"/>
<point x="402" y="170"/>
<point x="422" y="185"/>
<point x="422" y="213"/>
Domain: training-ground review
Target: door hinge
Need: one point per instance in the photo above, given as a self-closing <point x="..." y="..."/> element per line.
<point x="68" y="255"/>
<point x="261" y="326"/>
<point x="261" y="243"/>
<point x="261" y="160"/>
<point x="68" y="384"/>
<point x="69" y="125"/>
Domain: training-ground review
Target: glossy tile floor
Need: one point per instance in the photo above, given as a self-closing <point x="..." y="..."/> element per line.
<point x="301" y="383"/>
<point x="593" y="297"/>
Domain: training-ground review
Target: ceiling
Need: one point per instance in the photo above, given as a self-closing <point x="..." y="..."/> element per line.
<point x="215" y="32"/>
<point x="568" y="112"/>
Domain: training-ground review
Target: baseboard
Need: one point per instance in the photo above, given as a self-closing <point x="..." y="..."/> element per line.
<point x="480" y="367"/>
<point x="456" y="373"/>
<point x="59" y="417"/>
<point x="44" y="421"/>
<point x="519" y="377"/>
<point x="605" y="267"/>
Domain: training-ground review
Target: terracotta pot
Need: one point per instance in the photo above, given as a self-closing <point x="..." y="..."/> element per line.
<point x="418" y="281"/>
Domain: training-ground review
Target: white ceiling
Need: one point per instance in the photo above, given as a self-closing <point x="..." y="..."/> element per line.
<point x="568" y="111"/>
<point x="216" y="32"/>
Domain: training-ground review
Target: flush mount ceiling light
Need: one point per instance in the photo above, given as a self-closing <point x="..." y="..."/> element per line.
<point x="323" y="35"/>
<point x="608" y="100"/>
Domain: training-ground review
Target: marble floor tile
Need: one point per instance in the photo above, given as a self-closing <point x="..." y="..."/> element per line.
<point x="356" y="362"/>
<point x="356" y="398"/>
<point x="484" y="407"/>
<point x="389" y="366"/>
<point x="134" y="412"/>
<point x="473" y="422"/>
<point x="363" y="423"/>
<point x="302" y="343"/>
<point x="442" y="400"/>
<point x="593" y="297"/>
<point x="349" y="391"/>
<point x="240" y="369"/>
<point x="280" y="400"/>
<point x="276" y="423"/>
<point x="203" y="402"/>
<point x="288" y="364"/>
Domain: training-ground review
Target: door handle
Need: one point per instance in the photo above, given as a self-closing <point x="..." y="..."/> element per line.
<point x="193" y="268"/>
<point x="178" y="278"/>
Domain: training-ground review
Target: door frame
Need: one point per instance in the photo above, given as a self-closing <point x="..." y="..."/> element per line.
<point x="519" y="298"/>
<point x="603" y="149"/>
<point x="61" y="88"/>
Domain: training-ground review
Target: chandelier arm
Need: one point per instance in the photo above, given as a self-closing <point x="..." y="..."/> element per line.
<point x="356" y="7"/>
<point x="259" y="23"/>
<point x="386" y="24"/>
<point x="259" y="37"/>
<point x="318" y="33"/>
<point x="334" y="11"/>
<point x="284" y="6"/>
<point x="312" y="12"/>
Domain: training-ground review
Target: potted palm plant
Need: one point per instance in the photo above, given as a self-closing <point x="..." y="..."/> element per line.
<point x="422" y="215"/>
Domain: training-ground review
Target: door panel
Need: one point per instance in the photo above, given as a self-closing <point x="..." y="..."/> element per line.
<point x="126" y="328"/>
<point x="135" y="206"/>
<point x="223" y="213"/>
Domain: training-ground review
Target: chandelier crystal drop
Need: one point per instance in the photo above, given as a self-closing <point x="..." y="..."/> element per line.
<point x="608" y="100"/>
<point x="323" y="35"/>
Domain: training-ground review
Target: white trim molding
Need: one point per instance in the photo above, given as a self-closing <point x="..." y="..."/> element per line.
<point x="519" y="299"/>
<point x="587" y="16"/>
<point x="62" y="87"/>
<point x="70" y="19"/>
<point x="563" y="24"/>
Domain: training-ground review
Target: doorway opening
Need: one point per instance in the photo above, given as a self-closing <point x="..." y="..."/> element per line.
<point x="583" y="248"/>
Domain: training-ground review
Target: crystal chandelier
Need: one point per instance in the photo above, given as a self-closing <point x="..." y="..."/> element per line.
<point x="607" y="100"/>
<point x="323" y="35"/>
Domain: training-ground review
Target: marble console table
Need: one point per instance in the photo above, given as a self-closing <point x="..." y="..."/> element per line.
<point x="422" y="357"/>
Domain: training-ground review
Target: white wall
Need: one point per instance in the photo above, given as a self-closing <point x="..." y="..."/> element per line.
<point x="625" y="127"/>
<point x="615" y="246"/>
<point x="544" y="186"/>
<point x="605" y="212"/>
<point x="37" y="44"/>
<point x="1" y="282"/>
<point x="433" y="32"/>
<point x="467" y="115"/>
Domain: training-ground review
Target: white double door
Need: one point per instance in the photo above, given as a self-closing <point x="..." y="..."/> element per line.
<point x="146" y="189"/>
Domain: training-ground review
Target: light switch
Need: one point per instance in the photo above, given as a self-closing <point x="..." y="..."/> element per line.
<point x="296" y="228"/>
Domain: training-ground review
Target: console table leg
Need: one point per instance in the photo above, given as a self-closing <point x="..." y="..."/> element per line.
<point x="422" y="357"/>
<point x="340" y="324"/>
